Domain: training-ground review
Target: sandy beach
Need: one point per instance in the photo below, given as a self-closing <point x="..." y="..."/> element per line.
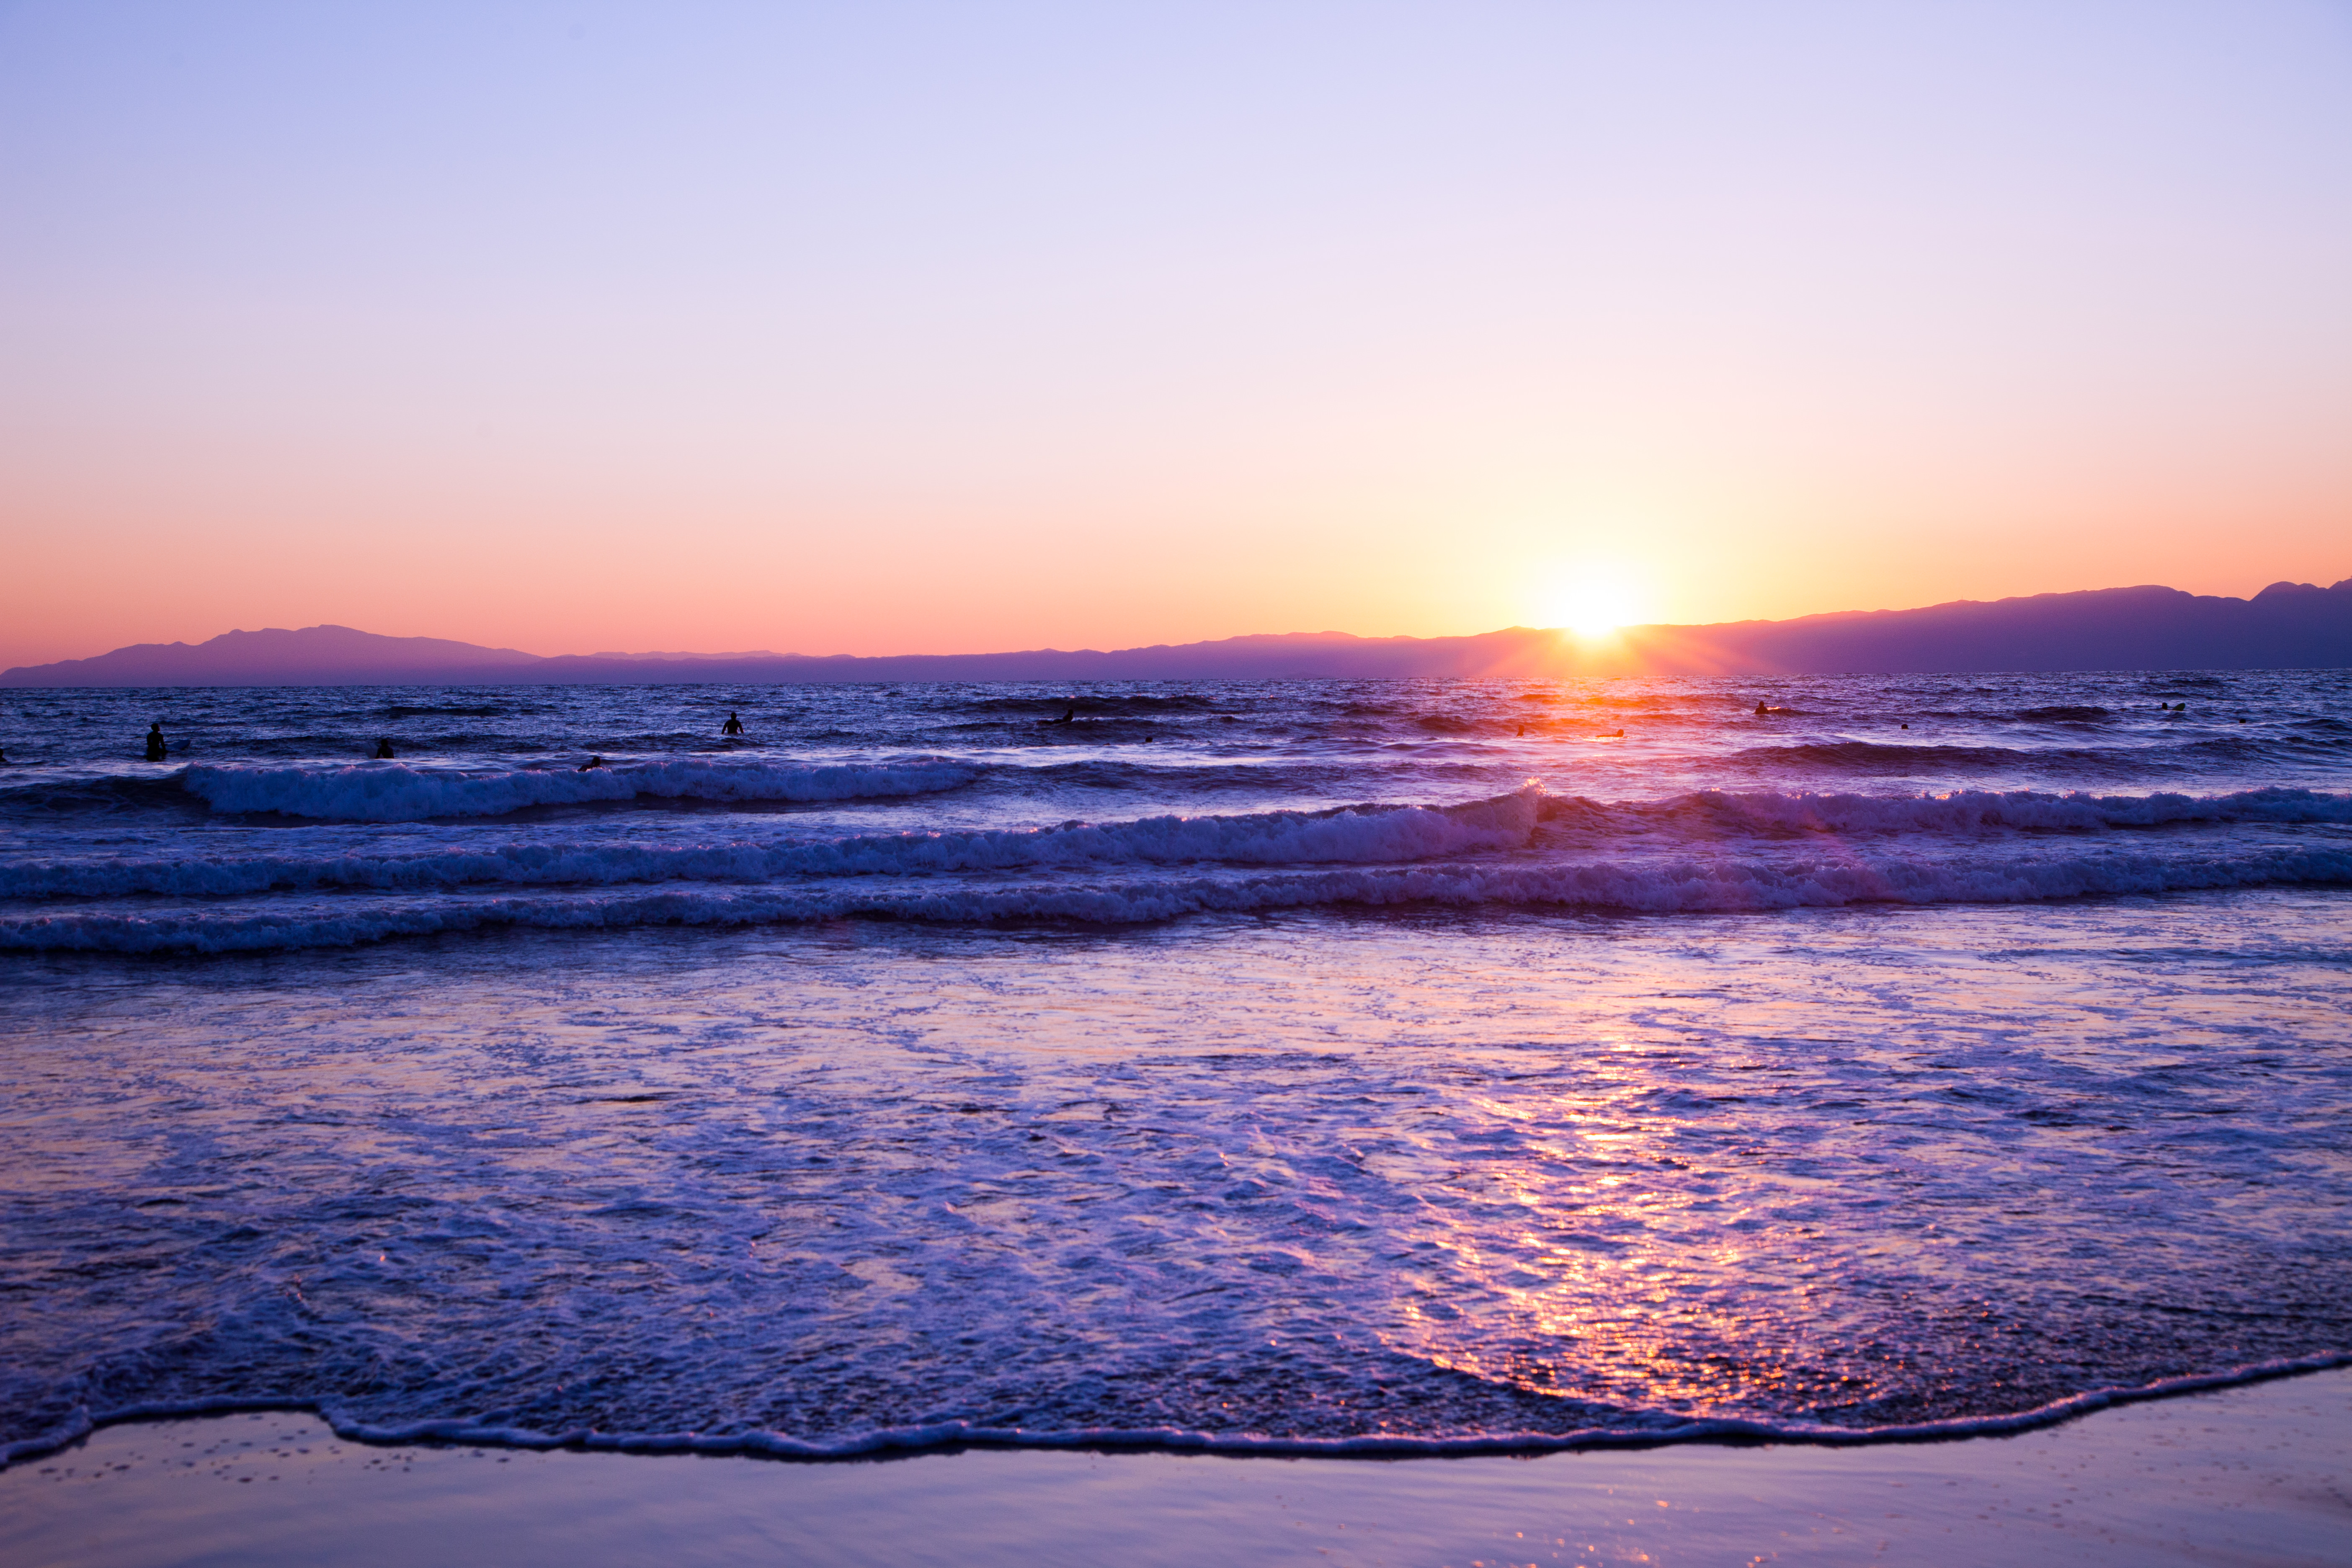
<point x="2254" y="1474"/>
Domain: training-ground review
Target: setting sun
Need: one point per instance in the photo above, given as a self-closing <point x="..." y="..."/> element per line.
<point x="1593" y="603"/>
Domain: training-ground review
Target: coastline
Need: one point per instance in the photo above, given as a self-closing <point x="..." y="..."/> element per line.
<point x="2249" y="1474"/>
<point x="911" y="1441"/>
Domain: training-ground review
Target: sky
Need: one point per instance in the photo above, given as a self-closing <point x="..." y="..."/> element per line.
<point x="882" y="328"/>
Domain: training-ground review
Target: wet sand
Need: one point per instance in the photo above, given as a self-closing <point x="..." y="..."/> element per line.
<point x="2261" y="1474"/>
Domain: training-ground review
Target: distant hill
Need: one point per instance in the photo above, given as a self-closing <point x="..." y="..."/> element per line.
<point x="315" y="656"/>
<point x="2288" y="625"/>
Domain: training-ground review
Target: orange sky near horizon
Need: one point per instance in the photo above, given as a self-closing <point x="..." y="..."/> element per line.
<point x="577" y="329"/>
<point x="615" y="576"/>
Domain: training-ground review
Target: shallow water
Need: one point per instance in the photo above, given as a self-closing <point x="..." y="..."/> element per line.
<point x="1401" y="1117"/>
<point x="2246" y="1474"/>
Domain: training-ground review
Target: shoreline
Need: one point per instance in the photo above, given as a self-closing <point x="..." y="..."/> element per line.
<point x="959" y="1438"/>
<point x="2252" y="1473"/>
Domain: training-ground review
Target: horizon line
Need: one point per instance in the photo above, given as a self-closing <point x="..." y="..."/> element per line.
<point x="1610" y="633"/>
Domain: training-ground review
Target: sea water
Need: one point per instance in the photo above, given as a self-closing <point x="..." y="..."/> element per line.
<point x="1384" y="1065"/>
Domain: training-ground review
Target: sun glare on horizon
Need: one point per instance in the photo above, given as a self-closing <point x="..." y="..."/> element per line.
<point x="1594" y="604"/>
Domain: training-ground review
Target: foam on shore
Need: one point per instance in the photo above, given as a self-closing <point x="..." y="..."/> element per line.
<point x="1640" y="1430"/>
<point x="2246" y="1474"/>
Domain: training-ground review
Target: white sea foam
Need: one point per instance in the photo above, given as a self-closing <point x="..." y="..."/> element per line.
<point x="1636" y="1429"/>
<point x="1686" y="884"/>
<point x="1304" y="1184"/>
<point x="1710" y="821"/>
<point x="1362" y="836"/>
<point x="1964" y="811"/>
<point x="396" y="792"/>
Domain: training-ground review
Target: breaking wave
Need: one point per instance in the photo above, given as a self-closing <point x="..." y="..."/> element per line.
<point x="1364" y="835"/>
<point x="1632" y="1429"/>
<point x="1687" y="884"/>
<point x="1706" y="851"/>
<point x="1966" y="810"/>
<point x="395" y="792"/>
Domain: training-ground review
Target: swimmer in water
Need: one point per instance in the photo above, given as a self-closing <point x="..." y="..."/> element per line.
<point x="383" y="751"/>
<point x="591" y="763"/>
<point x="1761" y="710"/>
<point x="155" y="742"/>
<point x="733" y="726"/>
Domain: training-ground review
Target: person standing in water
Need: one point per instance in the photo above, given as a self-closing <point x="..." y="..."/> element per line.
<point x="733" y="726"/>
<point x="155" y="742"/>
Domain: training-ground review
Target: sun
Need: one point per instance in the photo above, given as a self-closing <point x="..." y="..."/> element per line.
<point x="1595" y="604"/>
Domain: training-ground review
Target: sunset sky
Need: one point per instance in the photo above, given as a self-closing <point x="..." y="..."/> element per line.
<point x="921" y="328"/>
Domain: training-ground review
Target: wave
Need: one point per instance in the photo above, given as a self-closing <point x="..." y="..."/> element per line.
<point x="1357" y="835"/>
<point x="1881" y="755"/>
<point x="1771" y="813"/>
<point x="1641" y="1428"/>
<point x="1354" y="834"/>
<point x="81" y="796"/>
<point x="1686" y="885"/>
<point x="1642" y="702"/>
<point x="395" y="792"/>
<point x="1127" y="704"/>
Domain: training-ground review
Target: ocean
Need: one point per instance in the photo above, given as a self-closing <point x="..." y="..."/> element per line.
<point x="1357" y="1067"/>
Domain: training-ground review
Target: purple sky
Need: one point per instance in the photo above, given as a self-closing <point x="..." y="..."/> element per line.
<point x="914" y="328"/>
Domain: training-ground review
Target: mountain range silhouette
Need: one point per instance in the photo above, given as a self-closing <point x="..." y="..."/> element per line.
<point x="2288" y="625"/>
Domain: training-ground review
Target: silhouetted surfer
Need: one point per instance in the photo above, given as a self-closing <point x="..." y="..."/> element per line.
<point x="1069" y="716"/>
<point x="1761" y="710"/>
<point x="155" y="742"/>
<point x="733" y="726"/>
<point x="591" y="763"/>
<point x="383" y="751"/>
